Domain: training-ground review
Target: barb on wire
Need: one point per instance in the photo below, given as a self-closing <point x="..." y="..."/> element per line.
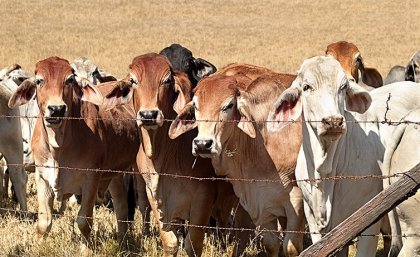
<point x="251" y="180"/>
<point x="187" y="225"/>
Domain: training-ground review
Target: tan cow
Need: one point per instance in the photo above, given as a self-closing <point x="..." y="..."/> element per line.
<point x="240" y="147"/>
<point x="62" y="146"/>
<point x="350" y="59"/>
<point x="159" y="93"/>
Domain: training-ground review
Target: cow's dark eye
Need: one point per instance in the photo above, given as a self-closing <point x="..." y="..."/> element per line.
<point x="227" y="107"/>
<point x="166" y="81"/>
<point x="71" y="80"/>
<point x="39" y="82"/>
<point x="307" y="87"/>
<point x="344" y="85"/>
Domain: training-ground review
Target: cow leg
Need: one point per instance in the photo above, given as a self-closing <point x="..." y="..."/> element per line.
<point x="17" y="174"/>
<point x="390" y="225"/>
<point x="45" y="202"/>
<point x="367" y="244"/>
<point x="241" y="219"/>
<point x="271" y="240"/>
<point x="143" y="203"/>
<point x="195" y="235"/>
<point x="119" y="196"/>
<point x="293" y="242"/>
<point x="410" y="222"/>
<point x="2" y="169"/>
<point x="85" y="215"/>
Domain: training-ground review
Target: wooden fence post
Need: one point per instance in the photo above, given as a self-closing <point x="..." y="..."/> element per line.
<point x="368" y="214"/>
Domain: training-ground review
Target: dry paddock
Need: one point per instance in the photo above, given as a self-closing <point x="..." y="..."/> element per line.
<point x="275" y="34"/>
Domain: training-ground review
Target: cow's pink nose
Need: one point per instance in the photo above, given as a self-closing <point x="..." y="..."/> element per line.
<point x="334" y="121"/>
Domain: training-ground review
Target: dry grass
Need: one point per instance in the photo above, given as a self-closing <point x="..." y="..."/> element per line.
<point x="276" y="34"/>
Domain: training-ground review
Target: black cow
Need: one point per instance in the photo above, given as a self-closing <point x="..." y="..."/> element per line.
<point x="182" y="60"/>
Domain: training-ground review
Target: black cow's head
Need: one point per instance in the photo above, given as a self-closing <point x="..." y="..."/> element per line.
<point x="182" y="60"/>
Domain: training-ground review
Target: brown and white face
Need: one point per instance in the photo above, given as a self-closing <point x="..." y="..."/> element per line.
<point x="412" y="71"/>
<point x="216" y="109"/>
<point x="56" y="88"/>
<point x="322" y="93"/>
<point x="156" y="90"/>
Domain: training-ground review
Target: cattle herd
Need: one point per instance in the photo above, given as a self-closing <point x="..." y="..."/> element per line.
<point x="175" y="122"/>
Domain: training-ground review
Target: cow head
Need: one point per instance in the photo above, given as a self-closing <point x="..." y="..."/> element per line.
<point x="86" y="70"/>
<point x="182" y="60"/>
<point x="412" y="71"/>
<point x="158" y="92"/>
<point x="216" y="109"/>
<point x="322" y="93"/>
<point x="57" y="91"/>
<point x="350" y="59"/>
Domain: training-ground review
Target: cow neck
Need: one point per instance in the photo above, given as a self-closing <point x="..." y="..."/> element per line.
<point x="168" y="154"/>
<point x="239" y="148"/>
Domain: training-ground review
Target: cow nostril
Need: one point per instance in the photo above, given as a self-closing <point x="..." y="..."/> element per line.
<point x="326" y="121"/>
<point x="208" y="143"/>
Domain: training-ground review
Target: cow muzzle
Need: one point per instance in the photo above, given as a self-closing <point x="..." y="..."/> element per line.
<point x="150" y="119"/>
<point x="204" y="147"/>
<point x="54" y="114"/>
<point x="332" y="127"/>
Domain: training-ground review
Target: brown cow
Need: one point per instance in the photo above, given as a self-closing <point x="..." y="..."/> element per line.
<point x="348" y="55"/>
<point x="240" y="147"/>
<point x="159" y="93"/>
<point x="97" y="141"/>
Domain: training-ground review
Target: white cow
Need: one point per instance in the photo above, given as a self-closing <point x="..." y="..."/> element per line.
<point x="400" y="156"/>
<point x="335" y="144"/>
<point x="11" y="146"/>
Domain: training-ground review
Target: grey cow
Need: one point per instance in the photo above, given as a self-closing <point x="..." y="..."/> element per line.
<point x="409" y="73"/>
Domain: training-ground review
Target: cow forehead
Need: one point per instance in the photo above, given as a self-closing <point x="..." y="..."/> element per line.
<point x="53" y="68"/>
<point x="150" y="64"/>
<point x="213" y="92"/>
<point x="342" y="49"/>
<point x="322" y="70"/>
<point x="84" y="64"/>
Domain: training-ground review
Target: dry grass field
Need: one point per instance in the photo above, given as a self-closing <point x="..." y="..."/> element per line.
<point x="275" y="34"/>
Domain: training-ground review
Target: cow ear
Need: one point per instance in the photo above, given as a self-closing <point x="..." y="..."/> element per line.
<point x="357" y="98"/>
<point x="181" y="86"/>
<point x="88" y="93"/>
<point x="409" y="72"/>
<point x="203" y="68"/>
<point x="120" y="94"/>
<point x="105" y="77"/>
<point x="184" y="122"/>
<point x="23" y="94"/>
<point x="288" y="107"/>
<point x="372" y="77"/>
<point x="245" y="122"/>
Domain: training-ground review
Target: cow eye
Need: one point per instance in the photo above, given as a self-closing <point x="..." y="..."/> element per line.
<point x="39" y="81"/>
<point x="71" y="80"/>
<point x="227" y="107"/>
<point x="307" y="87"/>
<point x="167" y="80"/>
<point x="133" y="80"/>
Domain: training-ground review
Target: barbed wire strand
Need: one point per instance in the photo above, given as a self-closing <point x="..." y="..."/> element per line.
<point x="227" y="179"/>
<point x="256" y="230"/>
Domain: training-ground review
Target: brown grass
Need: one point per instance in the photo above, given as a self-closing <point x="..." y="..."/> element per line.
<point x="276" y="34"/>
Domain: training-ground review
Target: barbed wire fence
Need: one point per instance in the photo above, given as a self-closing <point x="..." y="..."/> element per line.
<point x="385" y="120"/>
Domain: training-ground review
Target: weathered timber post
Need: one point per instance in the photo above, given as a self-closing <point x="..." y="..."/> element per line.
<point x="368" y="214"/>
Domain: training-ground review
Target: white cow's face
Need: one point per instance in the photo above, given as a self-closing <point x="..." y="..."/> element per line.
<point x="323" y="88"/>
<point x="322" y="94"/>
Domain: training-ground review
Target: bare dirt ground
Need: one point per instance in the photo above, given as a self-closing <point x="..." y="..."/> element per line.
<point x="276" y="34"/>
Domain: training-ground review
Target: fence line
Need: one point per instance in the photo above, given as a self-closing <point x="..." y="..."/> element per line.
<point x="256" y="230"/>
<point x="384" y="121"/>
<point x="251" y="180"/>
